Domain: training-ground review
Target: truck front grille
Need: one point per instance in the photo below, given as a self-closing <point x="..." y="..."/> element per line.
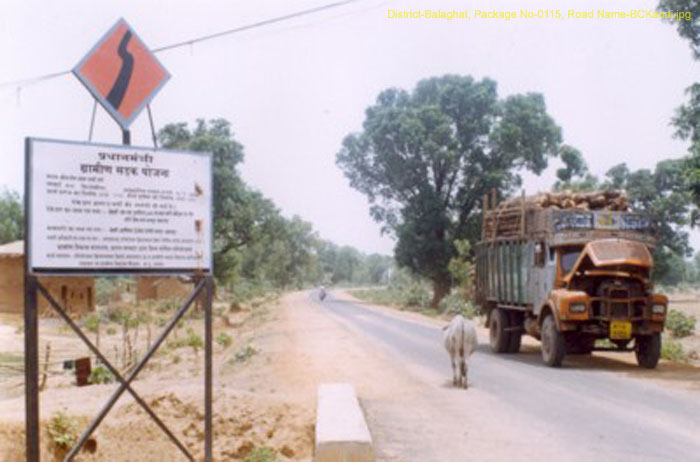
<point x="619" y="310"/>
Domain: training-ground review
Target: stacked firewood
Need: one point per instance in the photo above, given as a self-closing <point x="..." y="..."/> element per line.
<point x="507" y="216"/>
<point x="593" y="200"/>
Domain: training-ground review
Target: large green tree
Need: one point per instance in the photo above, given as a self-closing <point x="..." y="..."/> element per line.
<point x="687" y="117"/>
<point x="425" y="159"/>
<point x="241" y="215"/>
<point x="662" y="195"/>
<point x="11" y="217"/>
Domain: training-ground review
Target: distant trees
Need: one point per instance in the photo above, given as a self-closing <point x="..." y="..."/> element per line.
<point x="11" y="217"/>
<point x="253" y="243"/>
<point x="425" y="158"/>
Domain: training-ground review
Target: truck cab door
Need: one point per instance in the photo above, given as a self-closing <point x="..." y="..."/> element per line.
<point x="542" y="275"/>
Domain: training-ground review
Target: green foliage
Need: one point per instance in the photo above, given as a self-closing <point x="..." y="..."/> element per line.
<point x="111" y="331"/>
<point x="688" y="29"/>
<point x="662" y="195"/>
<point x="261" y="454"/>
<point x="244" y="354"/>
<point x="425" y="159"/>
<point x="224" y="339"/>
<point x="194" y="340"/>
<point x="680" y="324"/>
<point x="462" y="269"/>
<point x="256" y="249"/>
<point x="403" y="291"/>
<point x="63" y="430"/>
<point x="91" y="322"/>
<point x="11" y="217"/>
<point x="100" y="374"/>
<point x="455" y="303"/>
<point x="673" y="351"/>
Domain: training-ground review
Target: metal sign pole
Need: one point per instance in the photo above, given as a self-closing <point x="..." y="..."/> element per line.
<point x="208" y="369"/>
<point x="31" y="337"/>
<point x="31" y="368"/>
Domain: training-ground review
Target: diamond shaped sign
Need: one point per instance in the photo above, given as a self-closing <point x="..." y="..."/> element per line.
<point x="122" y="73"/>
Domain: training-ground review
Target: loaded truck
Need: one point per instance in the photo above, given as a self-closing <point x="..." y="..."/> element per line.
<point x="569" y="269"/>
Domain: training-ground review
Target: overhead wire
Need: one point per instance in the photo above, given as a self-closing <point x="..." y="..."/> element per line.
<point x="41" y="78"/>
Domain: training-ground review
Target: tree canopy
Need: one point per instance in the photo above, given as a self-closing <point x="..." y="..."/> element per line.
<point x="11" y="217"/>
<point x="425" y="158"/>
<point x="254" y="244"/>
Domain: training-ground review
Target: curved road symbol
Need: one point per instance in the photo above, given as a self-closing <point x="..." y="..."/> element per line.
<point x="116" y="94"/>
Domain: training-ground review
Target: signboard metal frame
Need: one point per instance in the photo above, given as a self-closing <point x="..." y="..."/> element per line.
<point x="110" y="271"/>
<point x="124" y="123"/>
<point x="33" y="288"/>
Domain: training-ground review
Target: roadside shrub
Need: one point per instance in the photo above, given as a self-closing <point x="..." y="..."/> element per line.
<point x="91" y="322"/>
<point x="63" y="430"/>
<point x="101" y="374"/>
<point x="455" y="304"/>
<point x="417" y="296"/>
<point x="673" y="351"/>
<point x="680" y="324"/>
<point x="244" y="354"/>
<point x="261" y="454"/>
<point x="224" y="339"/>
<point x="194" y="340"/>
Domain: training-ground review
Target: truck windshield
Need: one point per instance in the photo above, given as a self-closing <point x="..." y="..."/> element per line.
<point x="568" y="258"/>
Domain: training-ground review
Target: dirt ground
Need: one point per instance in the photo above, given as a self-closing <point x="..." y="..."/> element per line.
<point x="267" y="398"/>
<point x="689" y="303"/>
<point x="248" y="413"/>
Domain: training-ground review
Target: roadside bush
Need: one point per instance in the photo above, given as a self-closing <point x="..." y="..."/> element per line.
<point x="224" y="339"/>
<point x="673" y="351"/>
<point x="416" y="295"/>
<point x="91" y="322"/>
<point x="194" y="340"/>
<point x="63" y="430"/>
<point x="262" y="454"/>
<point x="455" y="304"/>
<point x="680" y="324"/>
<point x="101" y="374"/>
<point x="244" y="354"/>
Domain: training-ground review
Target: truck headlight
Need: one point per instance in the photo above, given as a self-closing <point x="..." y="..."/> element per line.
<point x="577" y="308"/>
<point x="658" y="309"/>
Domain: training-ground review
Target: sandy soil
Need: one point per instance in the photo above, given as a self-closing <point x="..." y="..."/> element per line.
<point x="247" y="415"/>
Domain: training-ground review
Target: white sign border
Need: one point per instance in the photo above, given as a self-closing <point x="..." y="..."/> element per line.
<point x="80" y="272"/>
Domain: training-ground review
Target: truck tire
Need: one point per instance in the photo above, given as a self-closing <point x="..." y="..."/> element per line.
<point x="648" y="350"/>
<point x="515" y="320"/>
<point x="498" y="335"/>
<point x="553" y="344"/>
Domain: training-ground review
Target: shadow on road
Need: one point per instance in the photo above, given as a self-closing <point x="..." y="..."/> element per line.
<point x="607" y="362"/>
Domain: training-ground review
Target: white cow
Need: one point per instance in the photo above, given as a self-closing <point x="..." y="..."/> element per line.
<point x="460" y="342"/>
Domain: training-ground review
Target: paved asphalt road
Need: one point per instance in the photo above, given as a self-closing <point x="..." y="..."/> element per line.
<point x="585" y="402"/>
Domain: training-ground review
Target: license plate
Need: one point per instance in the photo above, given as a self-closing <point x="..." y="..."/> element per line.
<point x="620" y="330"/>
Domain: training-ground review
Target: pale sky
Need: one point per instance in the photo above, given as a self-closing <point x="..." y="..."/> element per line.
<point x="292" y="91"/>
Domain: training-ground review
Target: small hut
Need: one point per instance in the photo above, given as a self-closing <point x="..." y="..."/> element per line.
<point x="161" y="288"/>
<point x="76" y="294"/>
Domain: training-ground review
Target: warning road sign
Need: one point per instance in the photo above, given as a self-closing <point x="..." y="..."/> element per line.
<point x="122" y="73"/>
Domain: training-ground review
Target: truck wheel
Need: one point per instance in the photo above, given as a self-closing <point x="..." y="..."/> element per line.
<point x="516" y="336"/>
<point x="553" y="344"/>
<point x="648" y="350"/>
<point x="498" y="335"/>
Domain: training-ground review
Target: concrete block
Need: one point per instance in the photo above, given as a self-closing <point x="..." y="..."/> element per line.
<point x="342" y="434"/>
